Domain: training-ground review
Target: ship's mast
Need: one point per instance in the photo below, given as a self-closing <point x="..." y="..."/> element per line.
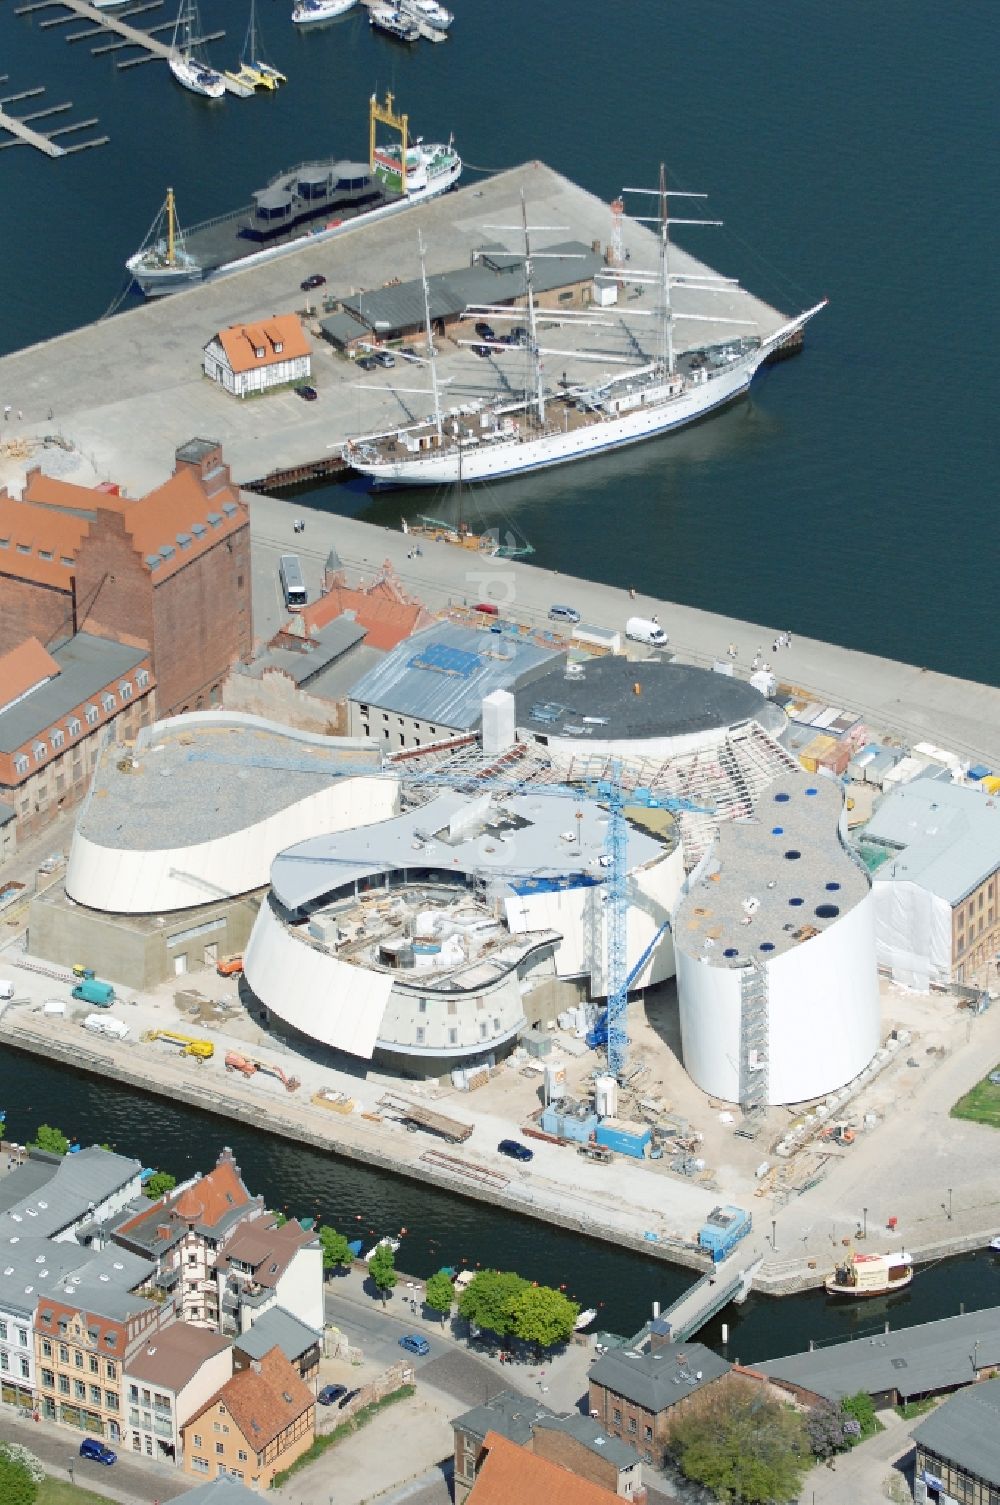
<point x="536" y="360"/>
<point x="170" y="227"/>
<point x="430" y="339"/>
<point x="667" y="329"/>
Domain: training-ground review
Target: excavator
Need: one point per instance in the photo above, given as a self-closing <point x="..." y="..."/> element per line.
<point x="248" y="1067"/>
<point x="202" y="1050"/>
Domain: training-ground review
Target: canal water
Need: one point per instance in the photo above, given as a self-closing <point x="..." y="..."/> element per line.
<point x="442" y="1229"/>
<point x="845" y="146"/>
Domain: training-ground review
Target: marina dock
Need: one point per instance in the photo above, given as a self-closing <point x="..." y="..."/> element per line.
<point x="24" y="133"/>
<point x="152" y="49"/>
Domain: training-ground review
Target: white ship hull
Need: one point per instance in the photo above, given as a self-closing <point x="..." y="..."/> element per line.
<point x="199" y="80"/>
<point x="325" y="10"/>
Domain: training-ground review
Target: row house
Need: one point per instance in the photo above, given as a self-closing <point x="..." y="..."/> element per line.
<point x="167" y="1381"/>
<point x="266" y="1265"/>
<point x="257" y="1425"/>
<point x="276" y="1328"/>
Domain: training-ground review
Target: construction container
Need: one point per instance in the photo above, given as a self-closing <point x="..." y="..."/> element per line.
<point x="624" y="1137"/>
<point x="836" y="760"/>
<point x="568" y="1119"/>
<point x="537" y="1045"/>
<point x="812" y="752"/>
<point x="722" y="1231"/>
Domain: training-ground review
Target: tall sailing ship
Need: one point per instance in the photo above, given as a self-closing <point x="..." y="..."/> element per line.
<point x="544" y="429"/>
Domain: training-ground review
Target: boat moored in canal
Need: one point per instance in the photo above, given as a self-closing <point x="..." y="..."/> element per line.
<point x="864" y="1275"/>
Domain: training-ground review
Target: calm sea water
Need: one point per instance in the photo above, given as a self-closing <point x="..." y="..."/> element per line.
<point x="845" y="145"/>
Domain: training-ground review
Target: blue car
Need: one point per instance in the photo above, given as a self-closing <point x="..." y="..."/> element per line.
<point x="415" y="1344"/>
<point x="90" y="1447"/>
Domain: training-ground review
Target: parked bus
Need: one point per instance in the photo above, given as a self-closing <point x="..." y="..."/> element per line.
<point x="292" y="582"/>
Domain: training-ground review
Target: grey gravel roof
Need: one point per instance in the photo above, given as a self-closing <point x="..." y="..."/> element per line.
<point x="449" y="293"/>
<point x="86" y="665"/>
<point x="36" y="1172"/>
<point x="790" y="860"/>
<point x="592" y="1435"/>
<point x="657" y="1381"/>
<point x="83" y="1179"/>
<point x="318" y="652"/>
<point x="949" y="836"/>
<point x="207" y="775"/>
<point x="914" y="1360"/>
<point x="966" y="1431"/>
<point x="510" y="1414"/>
<point x="441" y="675"/>
<point x="674" y="699"/>
<point x="277" y="1326"/>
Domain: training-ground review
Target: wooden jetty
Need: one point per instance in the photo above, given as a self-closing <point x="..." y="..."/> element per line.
<point x="23" y="133"/>
<point x="153" y="50"/>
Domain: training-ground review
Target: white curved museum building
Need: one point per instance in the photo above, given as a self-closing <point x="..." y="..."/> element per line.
<point x="419" y="938"/>
<point x="775" y="947"/>
<point x="200" y="806"/>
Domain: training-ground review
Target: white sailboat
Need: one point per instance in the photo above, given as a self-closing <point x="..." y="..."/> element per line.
<point x="542" y="429"/>
<point x="186" y="64"/>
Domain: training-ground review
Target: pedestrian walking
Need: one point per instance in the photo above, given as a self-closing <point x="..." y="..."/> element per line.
<point x="631" y="592"/>
<point x="788" y="639"/>
<point x="732" y="650"/>
<point x="6" y="411"/>
<point x="20" y="415"/>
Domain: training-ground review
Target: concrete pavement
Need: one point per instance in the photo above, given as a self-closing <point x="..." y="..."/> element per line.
<point x="877" y="1469"/>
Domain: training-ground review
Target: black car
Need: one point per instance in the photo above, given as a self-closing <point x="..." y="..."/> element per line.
<point x="367" y="363"/>
<point x="331" y="1393"/>
<point x="308" y="394"/>
<point x="483" y="351"/>
<point x="316" y="280"/>
<point x="518" y="336"/>
<point x="345" y="1400"/>
<point x="485" y="331"/>
<point x="515" y="1150"/>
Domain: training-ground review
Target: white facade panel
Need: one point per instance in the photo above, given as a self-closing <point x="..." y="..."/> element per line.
<point x="154" y="881"/>
<point x="913" y="933"/>
<point x="823" y="1013"/>
<point x="330" y="1000"/>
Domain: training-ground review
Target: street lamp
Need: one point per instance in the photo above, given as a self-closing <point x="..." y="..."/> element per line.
<point x="949" y="1204"/>
<point x="864" y="1230"/>
<point x="69" y="1469"/>
<point x="774" y="1236"/>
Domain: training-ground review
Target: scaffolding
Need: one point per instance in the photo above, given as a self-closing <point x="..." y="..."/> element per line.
<point x="754" y="1036"/>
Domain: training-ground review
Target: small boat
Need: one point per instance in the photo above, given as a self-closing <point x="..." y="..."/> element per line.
<point x="355" y="1245"/>
<point x="871" y="1275"/>
<point x="305" y="12"/>
<point x="185" y="64"/>
<point x="383" y="1243"/>
<point x="585" y="1319"/>
<point x="253" y="73"/>
<point x="429" y="11"/>
<point x="994" y="1244"/>
<point x="162" y="264"/>
<point x="394" y="23"/>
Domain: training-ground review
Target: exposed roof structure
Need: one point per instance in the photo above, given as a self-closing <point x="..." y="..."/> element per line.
<point x="173" y="1356"/>
<point x="659" y="1379"/>
<point x="966" y="1431"/>
<point x="510" y="1473"/>
<point x="638" y="700"/>
<point x="773" y="882"/>
<point x="947" y="837"/>
<point x="84" y="666"/>
<point x="442" y="675"/>
<point x="915" y="1361"/>
<point x="500" y="279"/>
<point x="207" y="775"/>
<point x="525" y="838"/>
<point x="267" y="343"/>
<point x="263" y="1400"/>
<point x="277" y="1328"/>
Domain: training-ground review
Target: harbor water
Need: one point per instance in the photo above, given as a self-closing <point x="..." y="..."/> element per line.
<point x="447" y="1230"/>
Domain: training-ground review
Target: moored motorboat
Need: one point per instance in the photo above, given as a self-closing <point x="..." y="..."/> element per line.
<point x="391" y="20"/>
<point x="585" y="1319"/>
<point x="305" y="12"/>
<point x="430" y="11"/>
<point x="870" y="1275"/>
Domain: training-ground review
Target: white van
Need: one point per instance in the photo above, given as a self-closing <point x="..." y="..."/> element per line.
<point x="6" y="990"/>
<point x="642" y="630"/>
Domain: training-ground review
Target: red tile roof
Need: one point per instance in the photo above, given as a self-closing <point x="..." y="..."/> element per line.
<point x="511" y="1475"/>
<point x="23" y="668"/>
<point x="263" y="1400"/>
<point x="212" y="1196"/>
<point x="242" y="342"/>
<point x="28" y="534"/>
<point x="386" y="619"/>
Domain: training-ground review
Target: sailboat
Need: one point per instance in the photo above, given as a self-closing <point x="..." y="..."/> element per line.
<point x="185" y="63"/>
<point x="253" y="71"/>
<point x="541" y="430"/>
<point x="163" y="264"/>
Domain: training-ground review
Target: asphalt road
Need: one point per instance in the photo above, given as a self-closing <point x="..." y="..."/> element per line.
<point x="132" y="1480"/>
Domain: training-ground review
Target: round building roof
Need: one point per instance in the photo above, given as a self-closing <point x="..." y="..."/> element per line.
<point x="612" y="699"/>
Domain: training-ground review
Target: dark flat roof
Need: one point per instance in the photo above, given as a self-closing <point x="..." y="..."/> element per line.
<point x="86" y="665"/>
<point x="966" y="1431"/>
<point x="673" y="700"/>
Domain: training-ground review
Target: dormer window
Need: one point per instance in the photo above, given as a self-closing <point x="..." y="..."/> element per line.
<point x="259" y="352"/>
<point x="278" y="347"/>
<point x="108" y="700"/>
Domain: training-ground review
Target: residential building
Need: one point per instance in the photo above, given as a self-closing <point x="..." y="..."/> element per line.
<point x="55" y="708"/>
<point x="252" y="358"/>
<point x="169" y="571"/>
<point x="508" y="1472"/>
<point x="636" y="1395"/>
<point x="433" y="685"/>
<point x="574" y="1442"/>
<point x="937" y="894"/>
<point x="263" y="1266"/>
<point x="167" y="1381"/>
<point x="257" y="1424"/>
<point x="186" y="1232"/>
<point x="958" y="1449"/>
<point x="221" y="1491"/>
<point x="277" y="1328"/>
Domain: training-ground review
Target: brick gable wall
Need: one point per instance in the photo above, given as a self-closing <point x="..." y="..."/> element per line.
<point x="28" y="609"/>
<point x="202" y="624"/>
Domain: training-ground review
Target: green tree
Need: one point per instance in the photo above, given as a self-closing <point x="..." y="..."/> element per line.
<point x="440" y="1294"/>
<point x="741" y="1444"/>
<point x="48" y="1138"/>
<point x="158" y="1185"/>
<point x="17" y="1487"/>
<point x="382" y="1269"/>
<point x="336" y="1254"/>
<point x="487" y="1300"/>
<point x="859" y="1408"/>
<point x="542" y="1316"/>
